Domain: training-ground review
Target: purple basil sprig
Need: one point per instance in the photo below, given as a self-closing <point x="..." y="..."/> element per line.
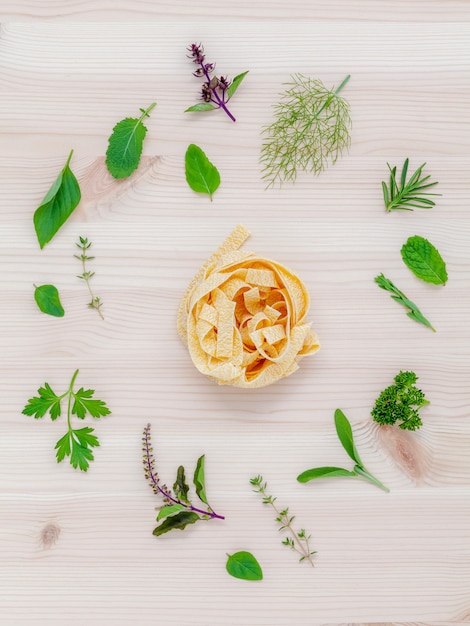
<point x="216" y="90"/>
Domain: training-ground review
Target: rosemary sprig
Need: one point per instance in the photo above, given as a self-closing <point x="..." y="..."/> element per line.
<point x="399" y="296"/>
<point x="407" y="195"/>
<point x="299" y="541"/>
<point x="84" y="245"/>
<point x="311" y="129"/>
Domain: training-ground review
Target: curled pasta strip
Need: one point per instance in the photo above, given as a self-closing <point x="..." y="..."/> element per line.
<point x="243" y="318"/>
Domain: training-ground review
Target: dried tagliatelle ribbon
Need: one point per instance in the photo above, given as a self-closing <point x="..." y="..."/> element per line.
<point x="243" y="317"/>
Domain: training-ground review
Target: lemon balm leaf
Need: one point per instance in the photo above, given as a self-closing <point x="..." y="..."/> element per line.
<point x="202" y="175"/>
<point x="125" y="145"/>
<point x="424" y="260"/>
<point x="48" y="300"/>
<point x="244" y="565"/>
<point x="58" y="205"/>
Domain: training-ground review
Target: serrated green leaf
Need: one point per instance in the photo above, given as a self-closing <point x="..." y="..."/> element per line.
<point x="125" y="145"/>
<point x="323" y="472"/>
<point x="199" y="480"/>
<point x="344" y="431"/>
<point x="181" y="488"/>
<point x="202" y="176"/>
<point x="169" y="510"/>
<point x="201" y="106"/>
<point x="59" y="203"/>
<point x="80" y="456"/>
<point x="244" y="565"/>
<point x="178" y="521"/>
<point x="63" y="447"/>
<point x="48" y="300"/>
<point x="85" y="438"/>
<point x="76" y="444"/>
<point x="83" y="404"/>
<point x="236" y="82"/>
<point x="37" y="407"/>
<point x="424" y="260"/>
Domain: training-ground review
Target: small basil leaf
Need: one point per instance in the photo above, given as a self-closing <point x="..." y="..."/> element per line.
<point x="199" y="480"/>
<point x="59" y="203"/>
<point x="344" y="430"/>
<point x="235" y="84"/>
<point x="181" y="488"/>
<point x="169" y="510"/>
<point x="323" y="472"/>
<point x="47" y="299"/>
<point x="178" y="521"/>
<point x="202" y="176"/>
<point x="201" y="106"/>
<point x="244" y="565"/>
<point x="424" y="260"/>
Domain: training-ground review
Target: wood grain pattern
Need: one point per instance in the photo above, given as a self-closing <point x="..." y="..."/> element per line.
<point x="77" y="548"/>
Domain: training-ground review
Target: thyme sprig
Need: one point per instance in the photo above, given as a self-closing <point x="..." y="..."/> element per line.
<point x="407" y="194"/>
<point x="85" y="245"/>
<point x="310" y="131"/>
<point x="299" y="540"/>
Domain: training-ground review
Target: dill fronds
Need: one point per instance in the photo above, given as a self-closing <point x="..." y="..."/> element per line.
<point x="311" y="130"/>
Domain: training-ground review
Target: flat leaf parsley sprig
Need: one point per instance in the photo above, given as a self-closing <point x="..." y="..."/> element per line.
<point x="76" y="443"/>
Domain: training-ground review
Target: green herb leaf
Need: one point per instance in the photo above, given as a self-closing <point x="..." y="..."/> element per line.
<point x="47" y="299"/>
<point x="125" y="145"/>
<point x="201" y="106"/>
<point x="77" y="444"/>
<point x="409" y="194"/>
<point x="400" y="403"/>
<point x="244" y="565"/>
<point x="181" y="488"/>
<point x="202" y="176"/>
<point x="84" y="404"/>
<point x="424" y="260"/>
<point x="169" y="510"/>
<point x="37" y="407"/>
<point x="199" y="480"/>
<point x="235" y="84"/>
<point x="178" y="521"/>
<point x="414" y="313"/>
<point x="323" y="472"/>
<point x="59" y="203"/>
<point x="344" y="431"/>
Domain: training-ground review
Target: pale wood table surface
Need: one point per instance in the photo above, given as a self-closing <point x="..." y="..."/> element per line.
<point x="77" y="549"/>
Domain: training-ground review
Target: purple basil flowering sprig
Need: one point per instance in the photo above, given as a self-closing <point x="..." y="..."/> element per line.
<point x="177" y="510"/>
<point x="216" y="90"/>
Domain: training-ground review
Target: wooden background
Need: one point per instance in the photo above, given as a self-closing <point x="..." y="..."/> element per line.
<point x="77" y="549"/>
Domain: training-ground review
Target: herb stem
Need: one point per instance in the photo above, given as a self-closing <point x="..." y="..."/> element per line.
<point x="217" y="100"/>
<point x="69" y="392"/>
<point x="86" y="277"/>
<point x="369" y="477"/>
<point x="69" y="159"/>
<point x="330" y="98"/>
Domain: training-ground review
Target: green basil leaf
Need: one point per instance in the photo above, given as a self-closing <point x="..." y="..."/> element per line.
<point x="181" y="488"/>
<point x="201" y="106"/>
<point x="47" y="299"/>
<point x="323" y="472"/>
<point x="424" y="260"/>
<point x="344" y="430"/>
<point x="244" y="565"/>
<point x="169" y="510"/>
<point x="201" y="174"/>
<point x="58" y="205"/>
<point x="178" y="521"/>
<point x="199" y="480"/>
<point x="125" y="145"/>
<point x="235" y="84"/>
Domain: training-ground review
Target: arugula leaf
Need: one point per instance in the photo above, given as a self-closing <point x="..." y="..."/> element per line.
<point x="199" y="480"/>
<point x="235" y="84"/>
<point x="424" y="260"/>
<point x="48" y="300"/>
<point x="323" y="472"/>
<point x="181" y="488"/>
<point x="200" y="106"/>
<point x="178" y="521"/>
<point x="202" y="176"/>
<point x="344" y="431"/>
<point x="47" y="401"/>
<point x="58" y="205"/>
<point x="169" y="510"/>
<point x="125" y="145"/>
<point x="244" y="565"/>
<point x="84" y="404"/>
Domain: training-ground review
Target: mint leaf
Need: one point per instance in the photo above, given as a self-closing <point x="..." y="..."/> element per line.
<point x="199" y="480"/>
<point x="57" y="206"/>
<point x="344" y="431"/>
<point x="244" y="565"/>
<point x="236" y="82"/>
<point x="202" y="176"/>
<point x="178" y="521"/>
<point x="84" y="404"/>
<point x="424" y="260"/>
<point x="48" y="300"/>
<point x="323" y="472"/>
<point x="201" y="106"/>
<point x="125" y="145"/>
<point x="47" y="401"/>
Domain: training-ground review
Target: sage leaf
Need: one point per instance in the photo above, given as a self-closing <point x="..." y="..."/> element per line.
<point x="235" y="84"/>
<point x="244" y="565"/>
<point x="199" y="480"/>
<point x="125" y="145"/>
<point x="178" y="521"/>
<point x="344" y="431"/>
<point x="48" y="300"/>
<point x="169" y="510"/>
<point x="181" y="488"/>
<point x="424" y="260"/>
<point x="58" y="204"/>
<point x="323" y="472"/>
<point x="201" y="106"/>
<point x="202" y="176"/>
